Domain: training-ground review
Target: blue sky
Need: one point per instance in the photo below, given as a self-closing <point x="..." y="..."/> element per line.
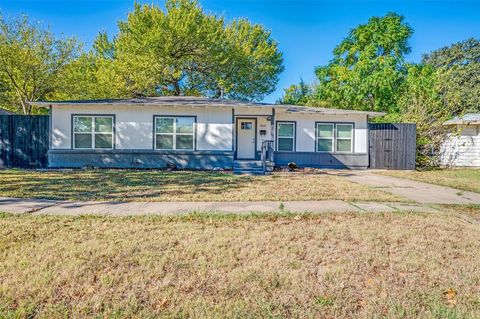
<point x="307" y="31"/>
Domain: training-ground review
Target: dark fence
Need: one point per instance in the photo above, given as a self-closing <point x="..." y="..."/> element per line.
<point x="392" y="146"/>
<point x="24" y="141"/>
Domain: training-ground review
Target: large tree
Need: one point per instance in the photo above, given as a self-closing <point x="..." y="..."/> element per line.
<point x="458" y="66"/>
<point x="31" y="59"/>
<point x="367" y="67"/>
<point x="182" y="50"/>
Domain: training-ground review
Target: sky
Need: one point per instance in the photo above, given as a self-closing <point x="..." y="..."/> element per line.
<point x="306" y="30"/>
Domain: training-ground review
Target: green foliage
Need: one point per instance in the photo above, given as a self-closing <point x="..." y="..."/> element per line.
<point x="296" y="94"/>
<point x="31" y="60"/>
<point x="419" y="102"/>
<point x="181" y="50"/>
<point x="367" y="67"/>
<point x="459" y="75"/>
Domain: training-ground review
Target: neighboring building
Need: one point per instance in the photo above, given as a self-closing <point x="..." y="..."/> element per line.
<point x="203" y="133"/>
<point x="462" y="145"/>
<point x="5" y="112"/>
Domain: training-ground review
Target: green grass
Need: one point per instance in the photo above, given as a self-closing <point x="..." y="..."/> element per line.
<point x="364" y="265"/>
<point x="131" y="185"/>
<point x="463" y="179"/>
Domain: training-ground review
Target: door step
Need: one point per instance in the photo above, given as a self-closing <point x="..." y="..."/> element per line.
<point x="247" y="167"/>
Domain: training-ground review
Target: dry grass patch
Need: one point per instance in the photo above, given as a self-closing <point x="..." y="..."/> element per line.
<point x="126" y="185"/>
<point x="464" y="179"/>
<point x="267" y="266"/>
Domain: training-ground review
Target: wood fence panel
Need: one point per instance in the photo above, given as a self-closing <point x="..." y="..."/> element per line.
<point x="24" y="141"/>
<point x="392" y="145"/>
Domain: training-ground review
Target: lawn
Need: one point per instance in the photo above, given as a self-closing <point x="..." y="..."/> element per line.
<point x="368" y="265"/>
<point x="464" y="179"/>
<point x="131" y="185"/>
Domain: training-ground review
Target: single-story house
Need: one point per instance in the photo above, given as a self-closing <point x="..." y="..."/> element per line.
<point x="461" y="147"/>
<point x="204" y="133"/>
<point x="5" y="112"/>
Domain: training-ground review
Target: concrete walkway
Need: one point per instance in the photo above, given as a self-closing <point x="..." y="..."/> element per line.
<point x="425" y="196"/>
<point x="50" y="207"/>
<point x="416" y="191"/>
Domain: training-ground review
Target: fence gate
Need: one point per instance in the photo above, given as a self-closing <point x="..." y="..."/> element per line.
<point x="392" y="146"/>
<point x="24" y="141"/>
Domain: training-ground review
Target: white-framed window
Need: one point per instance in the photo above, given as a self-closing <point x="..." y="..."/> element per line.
<point x="335" y="137"/>
<point x="344" y="137"/>
<point x="93" y="131"/>
<point x="174" y="132"/>
<point x="286" y="136"/>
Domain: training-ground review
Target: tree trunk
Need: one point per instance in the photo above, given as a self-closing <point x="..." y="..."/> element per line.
<point x="176" y="88"/>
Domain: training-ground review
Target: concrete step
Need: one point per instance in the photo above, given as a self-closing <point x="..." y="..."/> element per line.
<point x="247" y="164"/>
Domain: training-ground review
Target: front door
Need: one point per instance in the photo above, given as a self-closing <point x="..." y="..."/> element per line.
<point x="246" y="139"/>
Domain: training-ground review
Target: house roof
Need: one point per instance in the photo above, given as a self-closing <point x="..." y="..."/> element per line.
<point x="194" y="101"/>
<point x="469" y="118"/>
<point x="5" y="112"/>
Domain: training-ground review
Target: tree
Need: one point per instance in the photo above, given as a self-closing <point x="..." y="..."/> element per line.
<point x="296" y="94"/>
<point x="183" y="51"/>
<point x="31" y="60"/>
<point x="368" y="66"/>
<point x="459" y="75"/>
<point x="420" y="102"/>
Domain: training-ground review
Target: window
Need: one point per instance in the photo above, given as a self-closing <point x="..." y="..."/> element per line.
<point x="325" y="137"/>
<point x="336" y="137"/>
<point x="174" y="133"/>
<point x="285" y="136"/>
<point x="344" y="138"/>
<point x="92" y="132"/>
<point x="246" y="125"/>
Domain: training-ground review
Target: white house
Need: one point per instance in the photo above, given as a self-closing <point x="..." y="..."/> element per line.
<point x="204" y="133"/>
<point x="462" y="145"/>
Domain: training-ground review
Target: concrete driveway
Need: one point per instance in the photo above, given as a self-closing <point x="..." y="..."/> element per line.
<point x="416" y="191"/>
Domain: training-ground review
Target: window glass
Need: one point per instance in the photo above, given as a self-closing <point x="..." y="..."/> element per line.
<point x="344" y="145"/>
<point x="184" y="142"/>
<point x="285" y="144"/>
<point x="82" y="124"/>
<point x="344" y="131"/>
<point x="164" y="142"/>
<point x="285" y="129"/>
<point x="246" y="125"/>
<point x="184" y="124"/>
<point x="164" y="125"/>
<point x="324" y="145"/>
<point x="103" y="125"/>
<point x="325" y="130"/>
<point x="83" y="140"/>
<point x="103" y="140"/>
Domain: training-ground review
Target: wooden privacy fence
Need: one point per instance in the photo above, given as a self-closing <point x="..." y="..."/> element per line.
<point x="392" y="146"/>
<point x="24" y="141"/>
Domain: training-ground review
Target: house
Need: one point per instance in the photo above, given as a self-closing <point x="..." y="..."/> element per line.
<point x="462" y="144"/>
<point x="204" y="133"/>
<point x="5" y="112"/>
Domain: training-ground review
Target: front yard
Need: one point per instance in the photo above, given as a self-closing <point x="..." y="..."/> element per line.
<point x="461" y="178"/>
<point x="131" y="185"/>
<point x="368" y="265"/>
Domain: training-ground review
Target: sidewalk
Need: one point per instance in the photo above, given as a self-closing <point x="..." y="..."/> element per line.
<point x="50" y="207"/>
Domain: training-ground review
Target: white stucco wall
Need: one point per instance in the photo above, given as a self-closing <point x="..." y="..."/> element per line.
<point x="134" y="125"/>
<point x="305" y="128"/>
<point x="462" y="148"/>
